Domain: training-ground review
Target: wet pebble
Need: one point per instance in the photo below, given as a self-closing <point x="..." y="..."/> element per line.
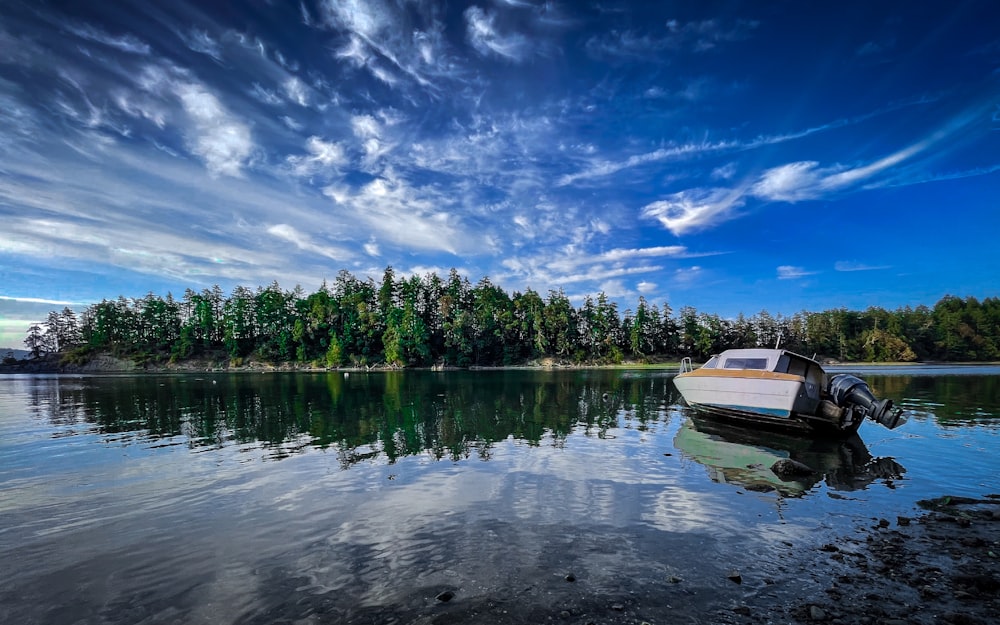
<point x="570" y="577"/>
<point x="734" y="576"/>
<point x="816" y="613"/>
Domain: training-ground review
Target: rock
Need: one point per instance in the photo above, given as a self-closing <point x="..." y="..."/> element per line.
<point x="570" y="577"/>
<point x="617" y="607"/>
<point x="673" y="579"/>
<point x="445" y="596"/>
<point x="883" y="523"/>
<point x="742" y="610"/>
<point x="829" y="547"/>
<point x="816" y="613"/>
<point x="903" y="520"/>
<point x="734" y="576"/>
<point x="786" y="467"/>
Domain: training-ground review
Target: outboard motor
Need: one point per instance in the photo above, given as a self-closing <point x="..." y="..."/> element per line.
<point x="851" y="393"/>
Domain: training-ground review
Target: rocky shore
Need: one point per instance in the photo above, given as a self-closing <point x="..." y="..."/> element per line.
<point x="941" y="567"/>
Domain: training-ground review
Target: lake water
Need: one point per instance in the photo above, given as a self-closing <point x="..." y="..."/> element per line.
<point x="581" y="496"/>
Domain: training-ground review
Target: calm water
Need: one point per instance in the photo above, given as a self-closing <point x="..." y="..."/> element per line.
<point x="322" y="498"/>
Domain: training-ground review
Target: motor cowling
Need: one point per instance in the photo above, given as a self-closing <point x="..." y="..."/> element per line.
<point x="852" y="393"/>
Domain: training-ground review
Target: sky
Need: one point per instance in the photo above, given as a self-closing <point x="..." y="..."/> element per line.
<point x="734" y="157"/>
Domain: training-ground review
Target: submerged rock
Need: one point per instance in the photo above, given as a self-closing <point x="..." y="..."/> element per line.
<point x="445" y="596"/>
<point x="786" y="467"/>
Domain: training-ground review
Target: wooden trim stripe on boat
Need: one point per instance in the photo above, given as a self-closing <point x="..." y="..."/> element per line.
<point x="757" y="374"/>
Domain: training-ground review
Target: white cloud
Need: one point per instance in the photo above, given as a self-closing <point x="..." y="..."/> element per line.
<point x="291" y="123"/>
<point x="365" y="127"/>
<point x="805" y="180"/>
<point x="645" y="287"/>
<point x="649" y="45"/>
<point x="643" y="252"/>
<point x="355" y="51"/>
<point x="265" y="95"/>
<point x="790" y="183"/>
<point x="482" y="33"/>
<point x="412" y="218"/>
<point x="126" y="43"/>
<point x="788" y="272"/>
<point x="725" y="172"/>
<point x="140" y="107"/>
<point x="850" y="265"/>
<point x="37" y="300"/>
<point x="614" y="288"/>
<point x="687" y="275"/>
<point x="306" y="243"/>
<point x="323" y="157"/>
<point x="390" y="42"/>
<point x="297" y="91"/>
<point x="600" y="167"/>
<point x="221" y="140"/>
<point x="200" y="41"/>
<point x="700" y="208"/>
<point x="694" y="209"/>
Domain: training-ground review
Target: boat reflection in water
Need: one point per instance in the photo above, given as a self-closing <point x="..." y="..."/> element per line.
<point x="748" y="458"/>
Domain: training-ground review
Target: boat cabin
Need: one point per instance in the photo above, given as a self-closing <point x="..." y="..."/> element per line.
<point x="775" y="360"/>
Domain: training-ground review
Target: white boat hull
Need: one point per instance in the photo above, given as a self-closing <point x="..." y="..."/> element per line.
<point x="761" y="397"/>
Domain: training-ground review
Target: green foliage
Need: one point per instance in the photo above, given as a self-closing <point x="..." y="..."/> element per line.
<point x="419" y="321"/>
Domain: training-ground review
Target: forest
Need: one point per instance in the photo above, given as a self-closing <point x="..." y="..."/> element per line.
<point x="430" y="321"/>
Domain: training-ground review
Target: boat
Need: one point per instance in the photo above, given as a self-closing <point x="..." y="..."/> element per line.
<point x="776" y="388"/>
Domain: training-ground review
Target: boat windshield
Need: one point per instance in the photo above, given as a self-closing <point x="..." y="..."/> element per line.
<point x="712" y="363"/>
<point x="746" y="363"/>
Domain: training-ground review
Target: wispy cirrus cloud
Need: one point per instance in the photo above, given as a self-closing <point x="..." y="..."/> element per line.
<point x="700" y="208"/>
<point x="484" y="35"/>
<point x="125" y="43"/>
<point x="198" y="40"/>
<point x="851" y="265"/>
<point x="38" y="300"/>
<point x="308" y="243"/>
<point x="573" y="266"/>
<point x="694" y="209"/>
<point x="410" y="217"/>
<point x="648" y="45"/>
<point x="791" y="272"/>
<point x="323" y="157"/>
<point x="806" y="180"/>
<point x="391" y="42"/>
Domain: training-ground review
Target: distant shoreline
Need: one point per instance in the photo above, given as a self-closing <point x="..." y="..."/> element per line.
<point x="105" y="364"/>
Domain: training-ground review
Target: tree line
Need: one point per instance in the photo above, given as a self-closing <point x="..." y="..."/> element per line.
<point x="424" y="321"/>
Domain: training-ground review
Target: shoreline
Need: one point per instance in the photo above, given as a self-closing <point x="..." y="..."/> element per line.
<point x="104" y="363"/>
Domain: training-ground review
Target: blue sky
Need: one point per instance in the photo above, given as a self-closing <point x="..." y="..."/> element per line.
<point x="735" y="157"/>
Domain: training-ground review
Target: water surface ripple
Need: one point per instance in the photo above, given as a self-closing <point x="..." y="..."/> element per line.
<point x="330" y="498"/>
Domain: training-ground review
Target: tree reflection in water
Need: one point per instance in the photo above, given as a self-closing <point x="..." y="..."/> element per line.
<point x="454" y="415"/>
